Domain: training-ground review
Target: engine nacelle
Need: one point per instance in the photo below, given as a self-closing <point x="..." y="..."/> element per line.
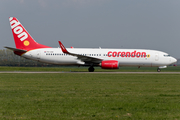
<point x="110" y="64"/>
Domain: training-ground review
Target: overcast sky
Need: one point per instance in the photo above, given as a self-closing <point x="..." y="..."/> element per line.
<point x="146" y="24"/>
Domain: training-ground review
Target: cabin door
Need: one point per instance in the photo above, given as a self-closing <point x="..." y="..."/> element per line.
<point x="156" y="57"/>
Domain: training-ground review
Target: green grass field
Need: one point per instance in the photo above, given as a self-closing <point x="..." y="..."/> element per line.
<point x="90" y="96"/>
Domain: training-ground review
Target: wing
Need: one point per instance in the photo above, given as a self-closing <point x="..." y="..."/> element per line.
<point x="86" y="59"/>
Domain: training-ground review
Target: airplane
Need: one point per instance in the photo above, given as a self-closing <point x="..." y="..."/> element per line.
<point x="28" y="48"/>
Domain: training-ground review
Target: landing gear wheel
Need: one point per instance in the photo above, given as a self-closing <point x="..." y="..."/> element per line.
<point x="91" y="69"/>
<point x="158" y="70"/>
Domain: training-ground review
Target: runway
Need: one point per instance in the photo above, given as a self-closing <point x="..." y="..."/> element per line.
<point x="61" y="72"/>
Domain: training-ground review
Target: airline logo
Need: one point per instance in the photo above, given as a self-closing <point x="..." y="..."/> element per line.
<point x="19" y="31"/>
<point x="26" y="43"/>
<point x="128" y="54"/>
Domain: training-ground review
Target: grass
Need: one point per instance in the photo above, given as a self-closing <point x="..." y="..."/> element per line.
<point x="85" y="69"/>
<point x="89" y="96"/>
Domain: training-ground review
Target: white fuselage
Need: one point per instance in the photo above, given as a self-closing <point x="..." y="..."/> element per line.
<point x="125" y="57"/>
<point x="27" y="47"/>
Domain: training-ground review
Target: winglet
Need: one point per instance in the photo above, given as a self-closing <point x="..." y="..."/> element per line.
<point x="63" y="48"/>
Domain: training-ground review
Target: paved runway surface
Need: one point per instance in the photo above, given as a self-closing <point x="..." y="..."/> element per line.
<point x="95" y="72"/>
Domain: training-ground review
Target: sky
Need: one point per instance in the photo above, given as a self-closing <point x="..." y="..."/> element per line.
<point x="131" y="24"/>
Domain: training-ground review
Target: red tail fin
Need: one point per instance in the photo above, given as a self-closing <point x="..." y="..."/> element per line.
<point x="22" y="38"/>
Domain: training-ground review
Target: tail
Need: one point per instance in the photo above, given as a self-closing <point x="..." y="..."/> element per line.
<point x="22" y="38"/>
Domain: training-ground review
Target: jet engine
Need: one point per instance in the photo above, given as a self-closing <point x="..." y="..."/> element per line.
<point x="110" y="64"/>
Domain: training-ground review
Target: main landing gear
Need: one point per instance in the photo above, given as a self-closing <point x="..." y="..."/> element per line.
<point x="91" y="69"/>
<point x="158" y="70"/>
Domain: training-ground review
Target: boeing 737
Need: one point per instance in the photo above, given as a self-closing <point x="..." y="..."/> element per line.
<point x="28" y="48"/>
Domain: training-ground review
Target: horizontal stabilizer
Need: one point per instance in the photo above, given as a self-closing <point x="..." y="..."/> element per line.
<point x="16" y="50"/>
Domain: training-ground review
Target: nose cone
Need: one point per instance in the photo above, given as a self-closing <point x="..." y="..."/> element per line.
<point x="173" y="60"/>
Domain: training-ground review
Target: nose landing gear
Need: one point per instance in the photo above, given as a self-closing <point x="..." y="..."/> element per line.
<point x="158" y="70"/>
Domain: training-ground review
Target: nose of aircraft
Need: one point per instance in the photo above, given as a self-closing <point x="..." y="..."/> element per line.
<point x="173" y="60"/>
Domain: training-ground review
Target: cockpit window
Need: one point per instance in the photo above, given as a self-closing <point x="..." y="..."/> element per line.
<point x="166" y="55"/>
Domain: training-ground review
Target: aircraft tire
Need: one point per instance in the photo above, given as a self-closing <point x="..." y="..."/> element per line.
<point x="91" y="69"/>
<point x="158" y="70"/>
